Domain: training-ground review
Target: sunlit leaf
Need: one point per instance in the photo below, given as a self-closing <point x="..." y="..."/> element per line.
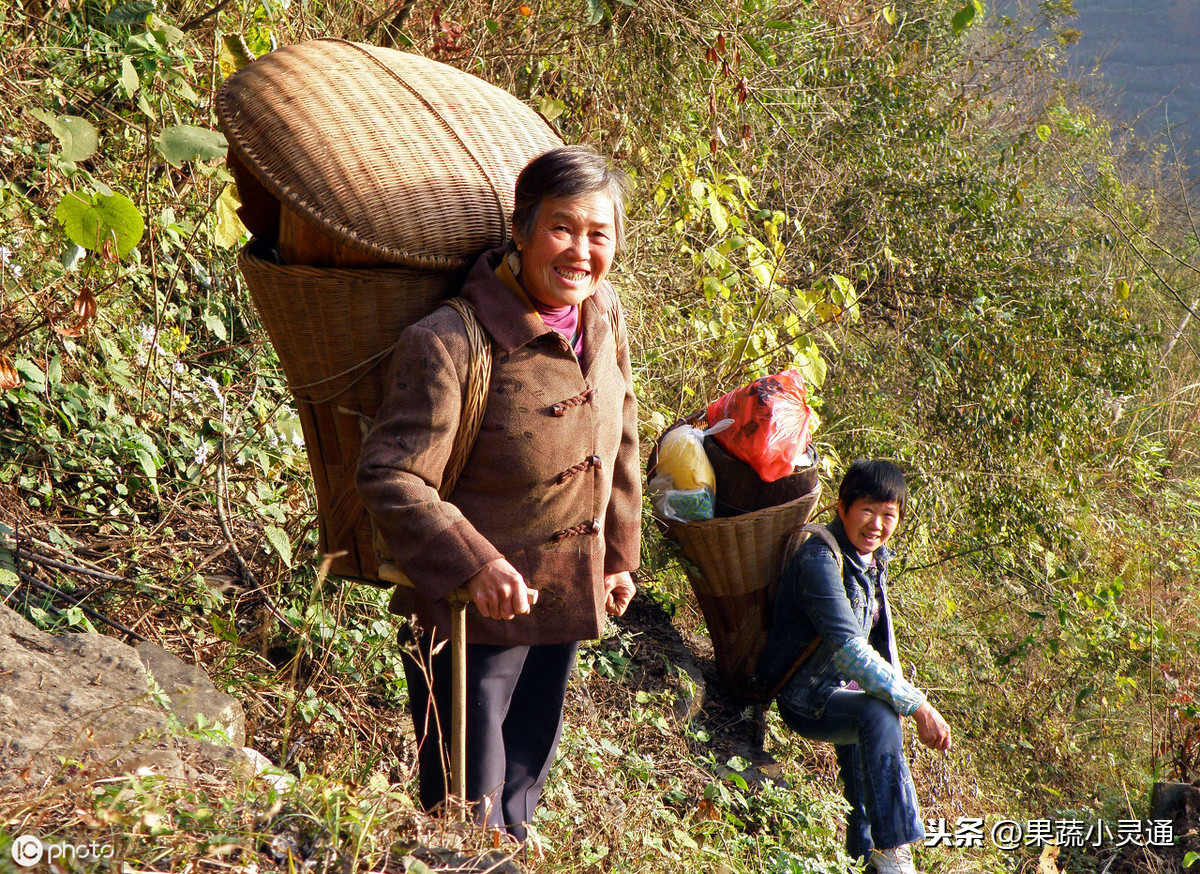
<point x="717" y="212"/>
<point x="229" y="229"/>
<point x="234" y="54"/>
<point x="215" y="326"/>
<point x="187" y="142"/>
<point x="76" y="135"/>
<point x="130" y="82"/>
<point x="962" y="19"/>
<point x="91" y="219"/>
<point x="551" y="108"/>
<point x="280" y="542"/>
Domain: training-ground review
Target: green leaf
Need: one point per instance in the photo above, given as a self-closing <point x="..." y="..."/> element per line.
<point x="71" y="255"/>
<point x="234" y="54"/>
<point x="761" y="48"/>
<point x="186" y="142"/>
<point x="717" y="212"/>
<point x="130" y="81"/>
<point x="90" y="220"/>
<point x="763" y="274"/>
<point x="963" y="18"/>
<point x="149" y="467"/>
<point x="597" y="11"/>
<point x="76" y="135"/>
<point x="1190" y="858"/>
<point x="1043" y="132"/>
<point x="215" y="326"/>
<point x="224" y="629"/>
<point x="32" y="373"/>
<point x="492" y="25"/>
<point x="168" y="34"/>
<point x="551" y="108"/>
<point x="280" y="542"/>
<point x="129" y="13"/>
<point x="145" y="107"/>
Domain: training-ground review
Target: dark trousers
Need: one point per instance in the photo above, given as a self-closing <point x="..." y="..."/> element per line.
<point x="865" y="731"/>
<point x="514" y="721"/>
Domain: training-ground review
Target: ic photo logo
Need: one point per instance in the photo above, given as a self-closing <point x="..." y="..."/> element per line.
<point x="28" y="850"/>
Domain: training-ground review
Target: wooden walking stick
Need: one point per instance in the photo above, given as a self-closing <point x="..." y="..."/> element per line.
<point x="458" y="698"/>
<point x="479" y="376"/>
<point x="459" y="599"/>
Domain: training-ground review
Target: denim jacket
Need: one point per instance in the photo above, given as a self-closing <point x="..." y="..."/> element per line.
<point x="816" y="601"/>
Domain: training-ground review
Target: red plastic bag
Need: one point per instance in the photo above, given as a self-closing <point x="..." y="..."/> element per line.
<point x="771" y="424"/>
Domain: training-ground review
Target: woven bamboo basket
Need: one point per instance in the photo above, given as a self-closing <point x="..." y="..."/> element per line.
<point x="734" y="566"/>
<point x="378" y="176"/>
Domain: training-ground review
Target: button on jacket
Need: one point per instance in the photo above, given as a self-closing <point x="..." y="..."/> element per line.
<point x="552" y="484"/>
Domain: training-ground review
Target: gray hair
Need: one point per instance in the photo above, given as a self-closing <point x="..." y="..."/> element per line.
<point x="568" y="171"/>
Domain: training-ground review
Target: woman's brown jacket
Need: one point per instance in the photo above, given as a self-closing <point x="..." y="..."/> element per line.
<point x="553" y="483"/>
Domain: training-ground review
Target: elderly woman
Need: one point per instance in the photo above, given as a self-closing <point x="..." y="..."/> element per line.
<point x="543" y="525"/>
<point x="831" y="660"/>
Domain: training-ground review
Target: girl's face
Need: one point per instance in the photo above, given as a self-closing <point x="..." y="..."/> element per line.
<point x="869" y="524"/>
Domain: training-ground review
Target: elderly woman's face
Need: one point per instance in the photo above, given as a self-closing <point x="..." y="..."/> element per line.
<point x="570" y="250"/>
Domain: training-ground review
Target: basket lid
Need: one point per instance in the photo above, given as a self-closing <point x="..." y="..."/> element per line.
<point x="390" y="153"/>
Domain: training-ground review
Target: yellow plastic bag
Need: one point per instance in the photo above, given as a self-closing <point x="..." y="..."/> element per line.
<point x="684" y="481"/>
<point x="681" y="457"/>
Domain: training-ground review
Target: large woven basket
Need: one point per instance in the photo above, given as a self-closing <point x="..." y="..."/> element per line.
<point x="390" y="154"/>
<point x="734" y="566"/>
<point x="393" y="160"/>
<point x="333" y="331"/>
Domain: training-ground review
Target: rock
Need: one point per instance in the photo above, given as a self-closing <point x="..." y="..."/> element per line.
<point x="86" y="698"/>
<point x="192" y="693"/>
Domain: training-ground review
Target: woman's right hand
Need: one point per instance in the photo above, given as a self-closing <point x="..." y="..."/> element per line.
<point x="932" y="729"/>
<point x="499" y="591"/>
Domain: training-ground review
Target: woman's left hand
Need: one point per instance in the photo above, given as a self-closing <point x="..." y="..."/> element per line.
<point x="619" y="591"/>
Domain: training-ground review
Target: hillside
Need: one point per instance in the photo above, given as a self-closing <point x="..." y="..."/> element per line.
<point x="906" y="202"/>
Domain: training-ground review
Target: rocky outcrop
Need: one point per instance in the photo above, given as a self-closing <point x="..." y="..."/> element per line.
<point x="86" y="700"/>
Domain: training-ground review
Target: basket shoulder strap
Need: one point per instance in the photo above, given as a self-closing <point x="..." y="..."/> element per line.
<point x="801" y="534"/>
<point x="798" y="536"/>
<point x="474" y="394"/>
<point x="819" y="530"/>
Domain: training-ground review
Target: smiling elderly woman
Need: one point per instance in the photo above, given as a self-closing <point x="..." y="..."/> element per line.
<point x="543" y="524"/>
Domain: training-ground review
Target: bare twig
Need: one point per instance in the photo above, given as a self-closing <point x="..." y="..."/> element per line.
<point x="59" y="593"/>
<point x="66" y="566"/>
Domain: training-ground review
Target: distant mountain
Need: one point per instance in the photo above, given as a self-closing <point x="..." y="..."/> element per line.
<point x="1148" y="53"/>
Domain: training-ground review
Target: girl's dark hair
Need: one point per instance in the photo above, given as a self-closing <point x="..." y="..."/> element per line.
<point x="568" y="171"/>
<point x="876" y="479"/>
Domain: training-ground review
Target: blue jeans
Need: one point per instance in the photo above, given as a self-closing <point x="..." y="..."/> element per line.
<point x="878" y="786"/>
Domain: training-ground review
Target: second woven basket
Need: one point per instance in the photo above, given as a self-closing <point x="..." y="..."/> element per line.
<point x="733" y="565"/>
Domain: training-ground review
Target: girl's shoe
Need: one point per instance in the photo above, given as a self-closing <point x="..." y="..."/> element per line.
<point x="897" y="860"/>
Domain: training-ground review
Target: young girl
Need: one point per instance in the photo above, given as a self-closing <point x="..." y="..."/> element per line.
<point x="832" y="632"/>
